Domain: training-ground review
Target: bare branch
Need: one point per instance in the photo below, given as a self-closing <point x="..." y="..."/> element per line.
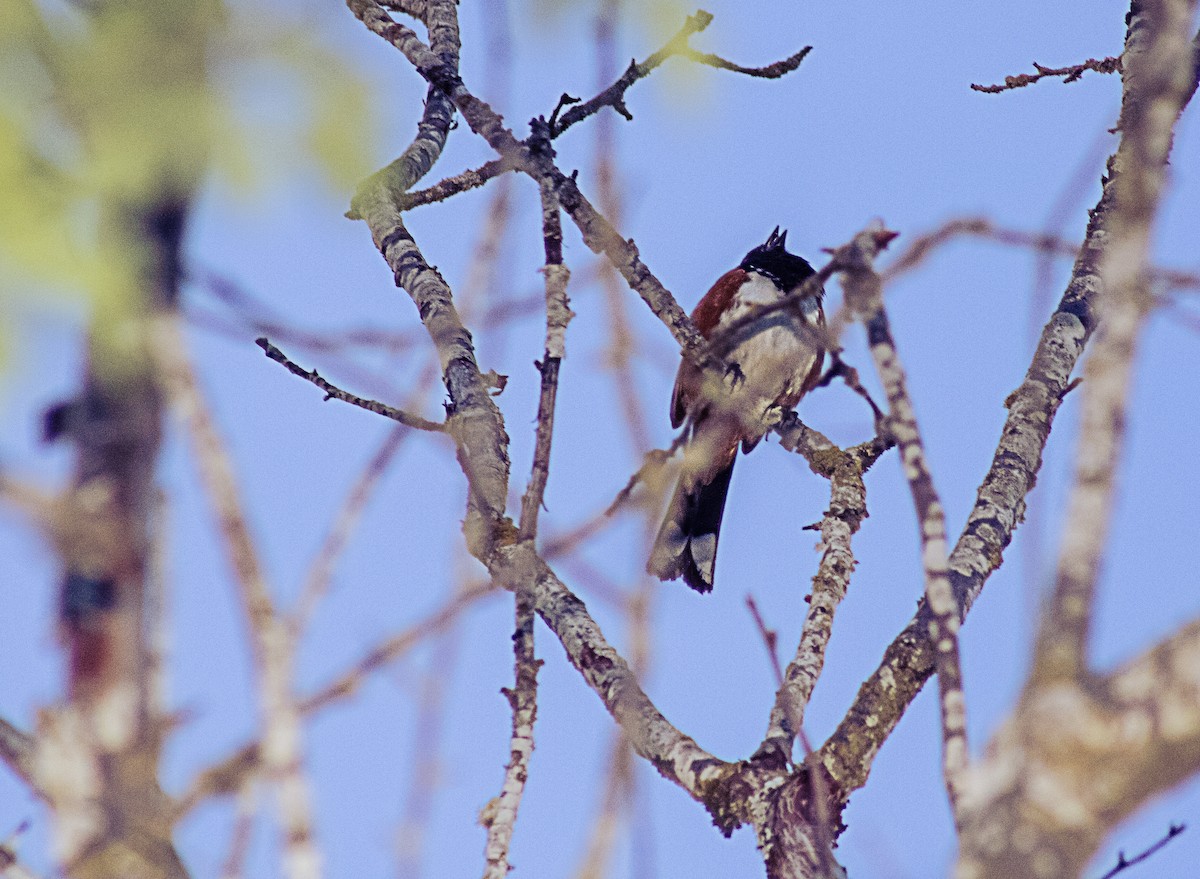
<point x="824" y="837"/>
<point x="847" y="509"/>
<point x="1070" y="73"/>
<point x="984" y="540"/>
<point x="980" y="227"/>
<point x="321" y="572"/>
<point x="558" y="315"/>
<point x="1124" y="863"/>
<point x="864" y="294"/>
<point x="227" y="776"/>
<point x="908" y="662"/>
<point x="614" y="95"/>
<point x="441" y="20"/>
<point x="598" y="234"/>
<point x="676" y="756"/>
<point x="247" y="810"/>
<point x="281" y="752"/>
<point x="499" y="816"/>
<point x="1098" y="745"/>
<point x="10" y="864"/>
<point x="333" y="392"/>
<point x="773" y="70"/>
<point x="474" y="421"/>
<point x="1156" y="89"/>
<point x="450" y="186"/>
<point x="426" y="747"/>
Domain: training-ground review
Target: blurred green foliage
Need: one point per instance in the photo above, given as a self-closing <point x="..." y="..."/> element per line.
<point x="108" y="108"/>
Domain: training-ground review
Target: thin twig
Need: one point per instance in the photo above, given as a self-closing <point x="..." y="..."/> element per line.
<point x="250" y="312"/>
<point x="980" y="227"/>
<point x="226" y="776"/>
<point x="320" y="574"/>
<point x="677" y="46"/>
<point x="473" y="178"/>
<point x="499" y="816"/>
<point x="864" y="295"/>
<point x="10" y="863"/>
<point x="623" y="342"/>
<point x="558" y="315"/>
<point x="773" y="70"/>
<point x="770" y="639"/>
<point x="348" y="682"/>
<point x="425" y="747"/>
<point x="332" y="392"/>
<point x="839" y="368"/>
<point x="1070" y="73"/>
<point x="1124" y="863"/>
<point x="247" y="810"/>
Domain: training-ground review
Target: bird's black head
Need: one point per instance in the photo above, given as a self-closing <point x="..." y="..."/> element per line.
<point x="773" y="260"/>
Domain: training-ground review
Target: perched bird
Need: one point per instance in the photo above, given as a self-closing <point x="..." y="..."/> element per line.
<point x="773" y="361"/>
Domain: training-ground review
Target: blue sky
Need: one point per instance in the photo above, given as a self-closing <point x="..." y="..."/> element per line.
<point x="877" y="122"/>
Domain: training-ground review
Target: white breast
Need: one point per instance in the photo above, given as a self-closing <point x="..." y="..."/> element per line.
<point x="774" y="361"/>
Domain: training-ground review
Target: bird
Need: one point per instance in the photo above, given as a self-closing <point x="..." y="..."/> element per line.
<point x="773" y="362"/>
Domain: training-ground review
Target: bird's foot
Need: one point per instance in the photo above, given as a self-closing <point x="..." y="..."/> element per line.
<point x="773" y="416"/>
<point x="734" y="375"/>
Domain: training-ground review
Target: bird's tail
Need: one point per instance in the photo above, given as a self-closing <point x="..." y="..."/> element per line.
<point x="686" y="545"/>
